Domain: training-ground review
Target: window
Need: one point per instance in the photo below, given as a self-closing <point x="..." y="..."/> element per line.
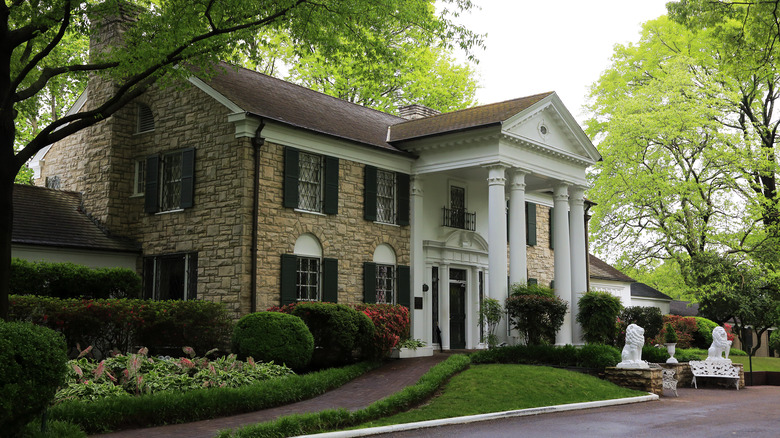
<point x="140" y="179"/>
<point x="169" y="181"/>
<point x="53" y="182"/>
<point x="457" y="207"/>
<point x="171" y="276"/>
<point x="311" y="182"/>
<point x="144" y="119"/>
<point x="530" y="223"/>
<point x="306" y="275"/>
<point x="386" y="196"/>
<point x="384" y="281"/>
<point x="307" y="285"/>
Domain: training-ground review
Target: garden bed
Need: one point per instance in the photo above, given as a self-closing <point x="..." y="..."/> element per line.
<point x="406" y="353"/>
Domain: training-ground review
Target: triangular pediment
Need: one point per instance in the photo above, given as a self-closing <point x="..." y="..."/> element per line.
<point x="549" y="124"/>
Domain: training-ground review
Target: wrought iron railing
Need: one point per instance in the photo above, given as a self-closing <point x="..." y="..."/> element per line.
<point x="458" y="218"/>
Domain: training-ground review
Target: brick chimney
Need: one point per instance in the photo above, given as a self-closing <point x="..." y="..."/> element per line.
<point x="416" y="111"/>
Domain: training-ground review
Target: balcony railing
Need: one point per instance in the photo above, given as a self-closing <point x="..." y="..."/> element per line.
<point x="458" y="218"/>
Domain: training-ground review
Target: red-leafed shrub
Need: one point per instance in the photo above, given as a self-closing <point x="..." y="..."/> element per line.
<point x="391" y="324"/>
<point x="684" y="326"/>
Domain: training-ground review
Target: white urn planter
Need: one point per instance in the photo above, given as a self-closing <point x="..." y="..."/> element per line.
<point x="670" y="350"/>
<point x="406" y="353"/>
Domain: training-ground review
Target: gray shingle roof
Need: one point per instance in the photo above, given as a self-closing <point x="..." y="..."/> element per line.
<point x="646" y="291"/>
<point x="602" y="270"/>
<point x="55" y="218"/>
<point x="683" y="308"/>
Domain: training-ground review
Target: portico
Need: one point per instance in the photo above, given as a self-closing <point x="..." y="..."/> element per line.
<point x="520" y="158"/>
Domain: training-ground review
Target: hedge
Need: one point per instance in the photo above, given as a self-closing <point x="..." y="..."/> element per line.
<point x="67" y="280"/>
<point x="124" y="324"/>
<point x="589" y="356"/>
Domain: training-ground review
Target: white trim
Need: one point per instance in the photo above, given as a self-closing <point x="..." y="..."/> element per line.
<point x="219" y="97"/>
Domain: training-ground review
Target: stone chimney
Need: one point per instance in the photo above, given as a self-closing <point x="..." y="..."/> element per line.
<point x="416" y="111"/>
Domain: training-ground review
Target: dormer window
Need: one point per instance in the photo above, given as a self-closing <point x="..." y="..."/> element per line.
<point x="145" y="119"/>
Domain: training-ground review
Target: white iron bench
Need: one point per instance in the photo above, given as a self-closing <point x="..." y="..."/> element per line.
<point x="669" y="381"/>
<point x="724" y="370"/>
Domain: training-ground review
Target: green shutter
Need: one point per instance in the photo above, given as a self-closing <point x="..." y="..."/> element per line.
<point x="552" y="229"/>
<point x="369" y="282"/>
<point x="552" y="284"/>
<point x="404" y="286"/>
<point x="330" y="280"/>
<point x="530" y="223"/>
<point x="289" y="273"/>
<point x="331" y="202"/>
<point x="507" y="220"/>
<point x="291" y="174"/>
<point x="532" y="281"/>
<point x="187" y="178"/>
<point x="402" y="185"/>
<point x="151" y="189"/>
<point x="192" y="276"/>
<point x="369" y="197"/>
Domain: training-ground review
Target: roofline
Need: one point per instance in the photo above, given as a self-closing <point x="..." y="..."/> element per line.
<point x="138" y="251"/>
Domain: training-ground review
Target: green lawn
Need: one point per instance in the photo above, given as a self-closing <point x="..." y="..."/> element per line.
<point x="759" y="363"/>
<point x="494" y="388"/>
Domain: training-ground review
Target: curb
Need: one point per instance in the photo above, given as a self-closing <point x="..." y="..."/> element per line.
<point x="483" y="417"/>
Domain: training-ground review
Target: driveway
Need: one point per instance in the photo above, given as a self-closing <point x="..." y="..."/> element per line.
<point x="707" y="412"/>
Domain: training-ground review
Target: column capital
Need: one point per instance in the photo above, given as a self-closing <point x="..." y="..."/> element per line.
<point x="561" y="191"/>
<point x="496" y="173"/>
<point x="417" y="183"/>
<point x="517" y="179"/>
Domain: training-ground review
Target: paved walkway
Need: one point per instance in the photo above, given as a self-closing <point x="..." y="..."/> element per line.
<point x="391" y="377"/>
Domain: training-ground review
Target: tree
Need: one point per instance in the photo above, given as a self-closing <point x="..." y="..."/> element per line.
<point x="490" y="314"/>
<point x="598" y="316"/>
<point x="158" y="38"/>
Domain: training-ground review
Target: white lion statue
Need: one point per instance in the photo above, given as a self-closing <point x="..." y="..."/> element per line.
<point x="720" y="346"/>
<point x="632" y="351"/>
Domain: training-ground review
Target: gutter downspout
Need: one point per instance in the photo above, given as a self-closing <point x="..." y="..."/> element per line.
<point x="258" y="141"/>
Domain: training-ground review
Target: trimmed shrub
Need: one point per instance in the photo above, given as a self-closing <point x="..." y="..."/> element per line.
<point x="273" y="337"/>
<point x="391" y="324"/>
<point x="122" y="324"/>
<point x="684" y="326"/>
<point x="598" y="356"/>
<point x="598" y="315"/>
<point x="702" y="337"/>
<point x="341" y="333"/>
<point x="655" y="354"/>
<point x="535" y="313"/>
<point x="649" y="318"/>
<point x="68" y="280"/>
<point x="32" y="366"/>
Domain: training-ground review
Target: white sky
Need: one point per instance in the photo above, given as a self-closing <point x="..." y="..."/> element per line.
<point x="535" y="46"/>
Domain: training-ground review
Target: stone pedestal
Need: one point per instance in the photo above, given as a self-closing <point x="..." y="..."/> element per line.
<point x="648" y="379"/>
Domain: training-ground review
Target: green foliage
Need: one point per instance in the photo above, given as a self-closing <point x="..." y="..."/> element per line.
<point x="338" y="331"/>
<point x="490" y="314"/>
<point x="54" y="429"/>
<point x="411" y="344"/>
<point x="649" y="318"/>
<point x="32" y="366"/>
<point x="670" y="336"/>
<point x="137" y="374"/>
<point x="589" y="356"/>
<point x="774" y="341"/>
<point x="301" y="424"/>
<point x="536" y="313"/>
<point x="683" y="327"/>
<point x="702" y="337"/>
<point x="162" y="326"/>
<point x="663" y="275"/>
<point x="391" y="324"/>
<point x="598" y="314"/>
<point x="654" y="354"/>
<point x="67" y="280"/>
<point x="170" y="407"/>
<point x="273" y="337"/>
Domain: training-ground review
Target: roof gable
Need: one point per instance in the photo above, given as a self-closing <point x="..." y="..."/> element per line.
<point x="603" y="270"/>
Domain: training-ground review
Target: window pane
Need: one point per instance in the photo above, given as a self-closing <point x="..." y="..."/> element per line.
<point x="170" y="278"/>
<point x="385" y="284"/>
<point x="308" y="279"/>
<point x="170" y="190"/>
<point x="385" y="197"/>
<point x="310" y="182"/>
<point x="140" y="176"/>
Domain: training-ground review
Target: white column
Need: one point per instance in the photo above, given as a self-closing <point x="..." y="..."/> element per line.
<point x="497" y="256"/>
<point x="517" y="249"/>
<point x="420" y="319"/>
<point x="579" y="274"/>
<point x="562" y="257"/>
<point x="444" y="305"/>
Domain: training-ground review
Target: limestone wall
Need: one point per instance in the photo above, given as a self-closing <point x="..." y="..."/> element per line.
<point x="541" y="258"/>
<point x="648" y="380"/>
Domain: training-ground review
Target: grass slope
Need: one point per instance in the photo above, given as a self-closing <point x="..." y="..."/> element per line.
<point x="494" y="388"/>
<point x="759" y="363"/>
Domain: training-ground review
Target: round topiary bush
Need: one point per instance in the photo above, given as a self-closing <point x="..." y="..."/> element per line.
<point x="702" y="337"/>
<point x="598" y="356"/>
<point x="273" y="336"/>
<point x="32" y="365"/>
<point x="341" y="333"/>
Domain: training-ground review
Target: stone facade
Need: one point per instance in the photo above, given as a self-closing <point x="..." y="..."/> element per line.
<point x="345" y="236"/>
<point x="541" y="258"/>
<point x="648" y="379"/>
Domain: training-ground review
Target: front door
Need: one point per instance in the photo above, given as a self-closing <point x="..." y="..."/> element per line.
<point x="457" y="309"/>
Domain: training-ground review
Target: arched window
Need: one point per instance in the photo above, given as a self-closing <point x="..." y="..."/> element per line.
<point x="307" y="275"/>
<point x="381" y="277"/>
